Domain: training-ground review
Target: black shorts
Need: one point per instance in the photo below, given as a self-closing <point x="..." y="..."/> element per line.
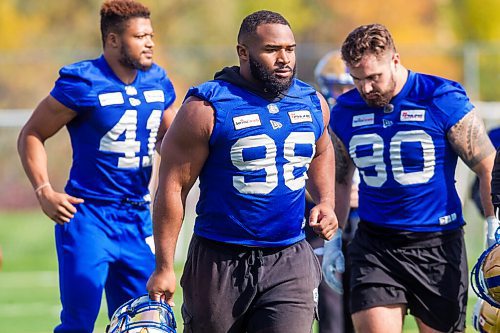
<point x="236" y="289"/>
<point x="426" y="272"/>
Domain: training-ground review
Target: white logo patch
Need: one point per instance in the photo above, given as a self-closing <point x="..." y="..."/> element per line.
<point x="412" y="115"/>
<point x="386" y="123"/>
<point x="315" y="295"/>
<point x="273" y="108"/>
<point x="447" y="219"/>
<point x="134" y="101"/>
<point x="111" y="99"/>
<point x="276" y="124"/>
<point x="154" y="96"/>
<point x="250" y="120"/>
<point x="363" y="120"/>
<point x="131" y="91"/>
<point x="302" y="116"/>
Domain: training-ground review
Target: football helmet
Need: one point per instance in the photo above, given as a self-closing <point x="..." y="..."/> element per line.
<point x="143" y="315"/>
<point x="332" y="76"/>
<point x="486" y="318"/>
<point x="485" y="275"/>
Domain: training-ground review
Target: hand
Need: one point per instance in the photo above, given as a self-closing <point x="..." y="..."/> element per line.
<point x="333" y="262"/>
<point x="161" y="286"/>
<point x="493" y="233"/>
<point x="59" y="207"/>
<point x="323" y="221"/>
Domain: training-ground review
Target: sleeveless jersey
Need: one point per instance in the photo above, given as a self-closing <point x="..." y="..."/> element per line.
<point x="405" y="161"/>
<point x="252" y="184"/>
<point x="114" y="133"/>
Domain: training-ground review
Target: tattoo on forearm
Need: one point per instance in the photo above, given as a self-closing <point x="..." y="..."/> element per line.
<point x="341" y="161"/>
<point x="470" y="141"/>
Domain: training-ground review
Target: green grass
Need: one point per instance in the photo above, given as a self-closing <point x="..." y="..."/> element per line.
<point x="29" y="295"/>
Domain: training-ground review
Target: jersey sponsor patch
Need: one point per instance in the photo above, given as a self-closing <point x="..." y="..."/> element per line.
<point x="249" y="120"/>
<point x="111" y="99"/>
<point x="412" y="115"/>
<point x="363" y="120"/>
<point x="152" y="96"/>
<point x="302" y="116"/>
<point x="443" y="220"/>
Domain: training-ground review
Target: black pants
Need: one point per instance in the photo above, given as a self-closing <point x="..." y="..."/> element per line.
<point x="236" y="289"/>
<point x="426" y="272"/>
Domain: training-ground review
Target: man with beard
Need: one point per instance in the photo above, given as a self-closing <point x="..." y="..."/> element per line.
<point x="115" y="108"/>
<point x="256" y="137"/>
<point x="404" y="131"/>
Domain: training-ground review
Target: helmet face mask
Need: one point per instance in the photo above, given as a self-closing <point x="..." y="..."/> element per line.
<point x="143" y="315"/>
<point x="332" y="76"/>
<point x="485" y="276"/>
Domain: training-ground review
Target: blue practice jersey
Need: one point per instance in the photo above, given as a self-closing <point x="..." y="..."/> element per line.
<point x="252" y="184"/>
<point x="406" y="164"/>
<point x="114" y="133"/>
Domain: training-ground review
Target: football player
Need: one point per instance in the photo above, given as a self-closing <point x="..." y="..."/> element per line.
<point x="116" y="108"/>
<point x="253" y="135"/>
<point x="404" y="132"/>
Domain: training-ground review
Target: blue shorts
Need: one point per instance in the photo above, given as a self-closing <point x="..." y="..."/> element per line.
<point x="102" y="248"/>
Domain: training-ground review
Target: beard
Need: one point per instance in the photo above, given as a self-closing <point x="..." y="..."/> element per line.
<point x="381" y="98"/>
<point x="273" y="84"/>
<point x="128" y="61"/>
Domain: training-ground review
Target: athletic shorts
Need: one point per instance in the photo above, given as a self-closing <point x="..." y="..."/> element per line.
<point x="427" y="274"/>
<point x="236" y="289"/>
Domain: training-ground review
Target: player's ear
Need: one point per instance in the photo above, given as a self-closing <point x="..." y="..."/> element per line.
<point x="112" y="40"/>
<point x="242" y="51"/>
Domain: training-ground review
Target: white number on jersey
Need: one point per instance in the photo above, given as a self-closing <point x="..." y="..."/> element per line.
<point x="376" y="160"/>
<point x="268" y="162"/>
<point x="130" y="146"/>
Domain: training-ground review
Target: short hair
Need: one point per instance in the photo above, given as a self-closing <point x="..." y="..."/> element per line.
<point x="373" y="38"/>
<point x="116" y="13"/>
<point x="251" y="22"/>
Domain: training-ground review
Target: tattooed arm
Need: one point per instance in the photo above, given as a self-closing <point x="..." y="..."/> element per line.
<point x="469" y="140"/>
<point x="344" y="170"/>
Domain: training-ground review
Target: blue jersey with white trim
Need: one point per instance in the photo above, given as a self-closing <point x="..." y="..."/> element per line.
<point x="114" y="133"/>
<point x="406" y="164"/>
<point x="252" y="184"/>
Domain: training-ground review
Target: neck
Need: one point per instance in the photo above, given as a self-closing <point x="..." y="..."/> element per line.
<point x="125" y="74"/>
<point x="401" y="77"/>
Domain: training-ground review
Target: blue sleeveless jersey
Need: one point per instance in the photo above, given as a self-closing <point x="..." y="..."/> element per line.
<point x="406" y="163"/>
<point x="114" y="133"/>
<point x="252" y="184"/>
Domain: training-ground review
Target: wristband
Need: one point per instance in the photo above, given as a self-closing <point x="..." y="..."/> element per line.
<point x="41" y="186"/>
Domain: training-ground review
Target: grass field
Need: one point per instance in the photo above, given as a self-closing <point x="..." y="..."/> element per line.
<point x="29" y="296"/>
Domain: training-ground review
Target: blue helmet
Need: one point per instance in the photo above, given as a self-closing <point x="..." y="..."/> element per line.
<point x="485" y="275"/>
<point x="143" y="315"/>
<point x="331" y="73"/>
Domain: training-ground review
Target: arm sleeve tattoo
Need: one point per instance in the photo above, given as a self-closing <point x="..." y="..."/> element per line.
<point x="469" y="140"/>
